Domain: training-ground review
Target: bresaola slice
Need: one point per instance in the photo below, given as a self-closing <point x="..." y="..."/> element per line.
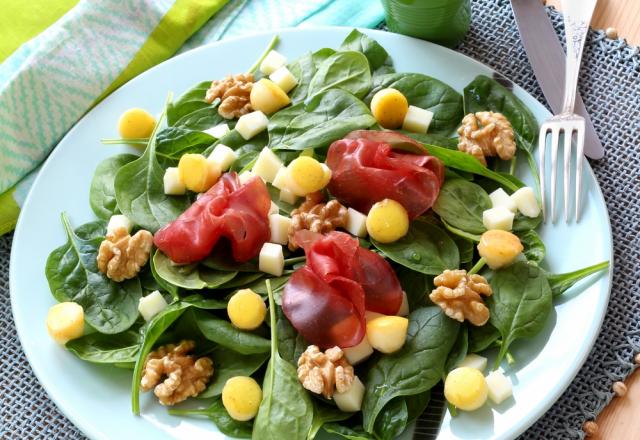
<point x="229" y="209"/>
<point x="366" y="169"/>
<point x="326" y="299"/>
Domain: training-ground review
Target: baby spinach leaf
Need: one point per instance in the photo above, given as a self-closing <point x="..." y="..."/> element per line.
<point x="534" y="248"/>
<point x="303" y="69"/>
<point x="201" y="119"/>
<point x="190" y="101"/>
<point x="465" y="247"/>
<point x="417" y="404"/>
<point x="433" y="139"/>
<point x="426" y="249"/>
<point x="428" y="93"/>
<point x="102" y="194"/>
<point x="73" y="275"/>
<point x="415" y="368"/>
<point x="286" y="410"/>
<point x="172" y="289"/>
<point x="392" y="420"/>
<point x="222" y="332"/>
<point x="323" y="414"/>
<point x="173" y="142"/>
<point x="190" y="276"/>
<point x="562" y="282"/>
<point x="230" y="363"/>
<point x="219" y="415"/>
<point x="243" y="279"/>
<point x="520" y="303"/>
<point x="461" y="204"/>
<point x="291" y="344"/>
<point x="355" y="433"/>
<point x="416" y="285"/>
<point x="140" y="191"/>
<point x="459" y="350"/>
<point x="91" y="230"/>
<point x="320" y="56"/>
<point x="522" y="223"/>
<point x="106" y="349"/>
<point x="327" y="117"/>
<point x="348" y="70"/>
<point x="481" y="338"/>
<point x="375" y="53"/>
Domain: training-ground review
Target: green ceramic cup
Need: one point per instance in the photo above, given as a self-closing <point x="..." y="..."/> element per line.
<point x="442" y="21"/>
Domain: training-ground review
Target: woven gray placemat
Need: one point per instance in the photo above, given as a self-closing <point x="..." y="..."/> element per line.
<point x="610" y="86"/>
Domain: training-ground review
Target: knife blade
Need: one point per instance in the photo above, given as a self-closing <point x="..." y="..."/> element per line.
<point x="548" y="60"/>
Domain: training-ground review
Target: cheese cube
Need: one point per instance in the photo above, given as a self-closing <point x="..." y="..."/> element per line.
<point x="251" y="124"/>
<point x="288" y="197"/>
<point x="223" y="156"/>
<point x="173" y="185"/>
<point x="369" y="315"/>
<point x="500" y="388"/>
<point x="245" y="176"/>
<point x="271" y="259"/>
<point x="356" y="223"/>
<point x="498" y="218"/>
<point x="152" y="304"/>
<point x="119" y="221"/>
<point x="267" y="165"/>
<point x="358" y="353"/>
<point x="350" y="400"/>
<point x="525" y="200"/>
<point x="284" y="79"/>
<point x="417" y="120"/>
<point x="404" y="307"/>
<point x="500" y="198"/>
<point x="282" y="179"/>
<point x="272" y="62"/>
<point x="473" y="361"/>
<point x="279" y="225"/>
<point x="275" y="209"/>
<point x="218" y="131"/>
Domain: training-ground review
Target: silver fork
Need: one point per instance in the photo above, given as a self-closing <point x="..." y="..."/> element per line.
<point x="577" y="16"/>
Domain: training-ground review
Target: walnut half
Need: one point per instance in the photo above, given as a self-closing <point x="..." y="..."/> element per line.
<point x="485" y="134"/>
<point x="458" y="294"/>
<point x="316" y="216"/>
<point x="234" y="93"/>
<point x="121" y="256"/>
<point x="325" y="373"/>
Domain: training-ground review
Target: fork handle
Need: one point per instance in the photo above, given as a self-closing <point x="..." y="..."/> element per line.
<point x="577" y="16"/>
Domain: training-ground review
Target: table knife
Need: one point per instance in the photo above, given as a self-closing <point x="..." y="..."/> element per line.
<point x="548" y="60"/>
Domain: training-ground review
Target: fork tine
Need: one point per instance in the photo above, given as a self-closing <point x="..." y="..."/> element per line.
<point x="579" y="160"/>
<point x="542" y="146"/>
<point x="568" y="135"/>
<point x="555" y="134"/>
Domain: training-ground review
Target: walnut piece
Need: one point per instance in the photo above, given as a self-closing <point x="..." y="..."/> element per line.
<point x="121" y="256"/>
<point x="175" y="374"/>
<point x="325" y="373"/>
<point x="316" y="216"/>
<point x="485" y="134"/>
<point x="234" y="93"/>
<point x="458" y="294"/>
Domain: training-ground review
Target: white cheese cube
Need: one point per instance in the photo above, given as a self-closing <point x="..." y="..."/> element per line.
<point x="152" y="304"/>
<point x="525" y="200"/>
<point x="251" y="124"/>
<point x="369" y="315"/>
<point x="218" y="131"/>
<point x="223" y="156"/>
<point x="284" y="79"/>
<point x="350" y="400"/>
<point x="173" y="185"/>
<point x="358" y="353"/>
<point x="473" y="361"/>
<point x="272" y="62"/>
<point x="275" y="209"/>
<point x="267" y="165"/>
<point x="356" y="223"/>
<point x="500" y="388"/>
<point x="119" y="221"/>
<point x="417" y="120"/>
<point x="245" y="176"/>
<point x="288" y="197"/>
<point x="404" y="307"/>
<point x="498" y="218"/>
<point x="500" y="198"/>
<point x="279" y="225"/>
<point x="271" y="259"/>
<point x="281" y="179"/>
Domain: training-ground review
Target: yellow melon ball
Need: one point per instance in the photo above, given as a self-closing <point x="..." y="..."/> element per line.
<point x="197" y="173"/>
<point x="267" y="97"/>
<point x="466" y="388"/>
<point x="389" y="107"/>
<point x="387" y="221"/>
<point x="387" y="334"/>
<point x="241" y="397"/>
<point x="246" y="309"/>
<point x="308" y="175"/>
<point x="499" y="248"/>
<point x="136" y="123"/>
<point x="65" y="321"/>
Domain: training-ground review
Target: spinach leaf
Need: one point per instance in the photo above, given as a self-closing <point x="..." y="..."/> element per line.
<point x="417" y="404"/>
<point x="562" y="282"/>
<point x="222" y="332"/>
<point x="416" y="285"/>
<point x="465" y="248"/>
<point x="522" y="223"/>
<point x="91" y="230"/>
<point x="355" y="433"/>
<point x="415" y="368"/>
<point x="426" y="248"/>
<point x="327" y="117"/>
<point x="375" y="53"/>
<point x="230" y="363"/>
<point x="73" y="275"/>
<point x="242" y="279"/>
<point x="140" y="191"/>
<point x="433" y="139"/>
<point x="191" y="276"/>
<point x="461" y="204"/>
<point x="320" y="56"/>
<point x="428" y="93"/>
<point x="219" y="415"/>
<point x="201" y="119"/>
<point x="303" y="69"/>
<point x="481" y="338"/>
<point x="190" y="101"/>
<point x="172" y="289"/>
<point x="106" y="349"/>
<point x="286" y="410"/>
<point x="323" y="414"/>
<point x="347" y="70"/>
<point x="102" y="195"/>
<point x="520" y="303"/>
<point x="173" y="142"/>
<point x="459" y="350"/>
<point x="291" y="344"/>
<point x="392" y="420"/>
<point x="534" y="248"/>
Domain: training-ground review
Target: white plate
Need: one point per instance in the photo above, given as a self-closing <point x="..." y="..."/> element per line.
<point x="97" y="399"/>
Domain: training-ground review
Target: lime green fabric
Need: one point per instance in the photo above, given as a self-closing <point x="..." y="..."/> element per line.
<point x="9" y="211"/>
